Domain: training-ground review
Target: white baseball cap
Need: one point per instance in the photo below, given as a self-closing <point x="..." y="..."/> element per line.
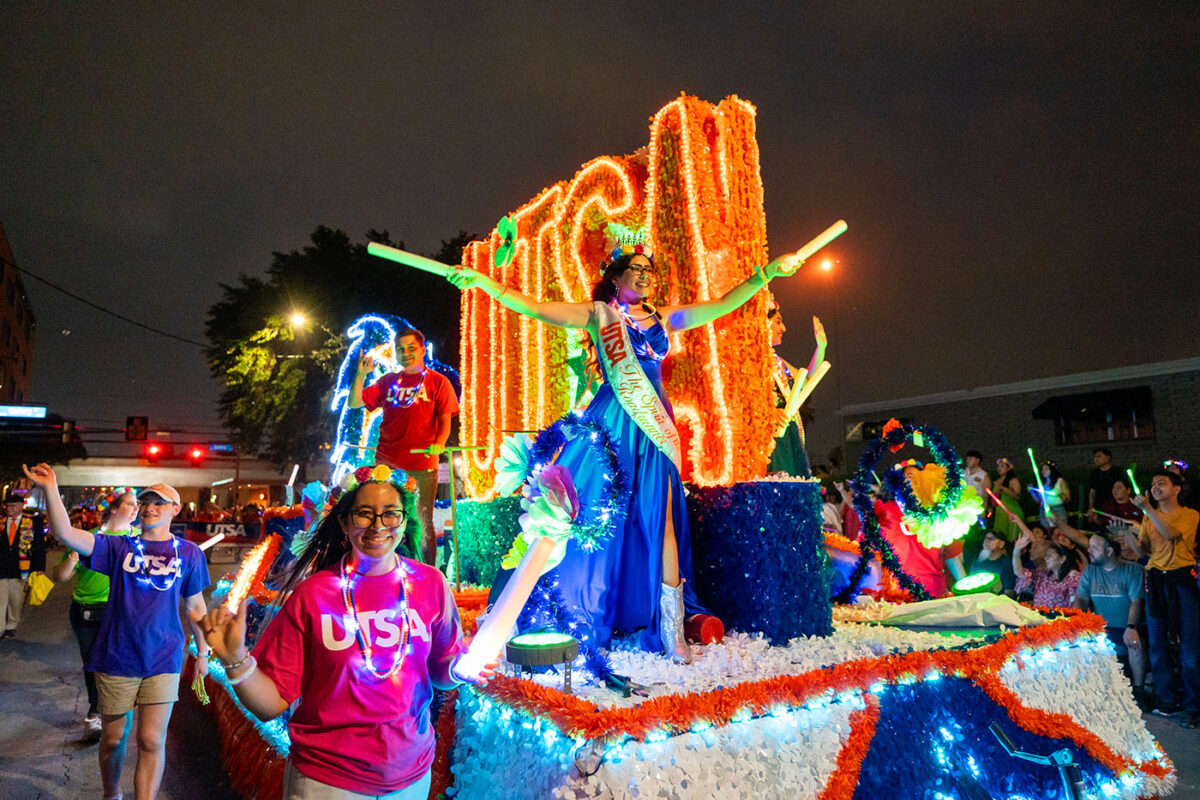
<point x="162" y="490"/>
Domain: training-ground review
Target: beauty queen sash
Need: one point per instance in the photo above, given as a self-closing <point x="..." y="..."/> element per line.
<point x="634" y="390"/>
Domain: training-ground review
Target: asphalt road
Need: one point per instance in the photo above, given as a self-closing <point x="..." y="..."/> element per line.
<point x="42" y="704"/>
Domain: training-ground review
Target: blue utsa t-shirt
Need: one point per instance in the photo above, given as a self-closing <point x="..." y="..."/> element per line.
<point x="142" y="634"/>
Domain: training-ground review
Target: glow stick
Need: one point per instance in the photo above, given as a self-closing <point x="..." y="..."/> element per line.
<point x="408" y="259"/>
<point x="809" y="385"/>
<point x="1133" y="480"/>
<point x="1037" y="479"/>
<point x="1110" y="516"/>
<point x="792" y="263"/>
<point x="248" y="574"/>
<point x="494" y="631"/>
<point x="209" y="542"/>
<point x="1000" y="503"/>
<point x="289" y="496"/>
<point x="788" y="394"/>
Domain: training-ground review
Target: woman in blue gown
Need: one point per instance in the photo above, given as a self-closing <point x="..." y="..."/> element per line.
<point x="639" y="579"/>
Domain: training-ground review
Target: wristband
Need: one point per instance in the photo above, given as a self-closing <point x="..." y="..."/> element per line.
<point x="249" y="671"/>
<point x="758" y="272"/>
<point x="1131" y="627"/>
<point x="234" y="665"/>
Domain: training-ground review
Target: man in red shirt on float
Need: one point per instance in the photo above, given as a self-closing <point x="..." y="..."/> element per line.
<point x="417" y="405"/>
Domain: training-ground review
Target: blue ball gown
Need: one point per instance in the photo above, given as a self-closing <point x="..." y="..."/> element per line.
<point x="616" y="587"/>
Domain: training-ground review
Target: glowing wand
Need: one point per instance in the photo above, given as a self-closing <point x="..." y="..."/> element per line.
<point x="792" y="263"/>
<point x="1037" y="479"/>
<point x="1132" y="480"/>
<point x="408" y="259"/>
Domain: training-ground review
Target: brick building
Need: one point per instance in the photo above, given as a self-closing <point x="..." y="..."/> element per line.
<point x="1143" y="414"/>
<point x="17" y="327"/>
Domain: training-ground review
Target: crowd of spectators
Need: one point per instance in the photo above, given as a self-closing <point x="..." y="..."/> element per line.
<point x="1128" y="557"/>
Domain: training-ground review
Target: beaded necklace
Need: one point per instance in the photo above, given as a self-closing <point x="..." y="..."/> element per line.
<point x="410" y="394"/>
<point x="364" y="647"/>
<point x="137" y="543"/>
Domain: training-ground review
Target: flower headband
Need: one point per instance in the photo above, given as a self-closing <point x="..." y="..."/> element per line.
<point x="631" y="250"/>
<point x="380" y="473"/>
<point x="115" y="495"/>
<point x="1003" y="461"/>
<point x="1176" y="462"/>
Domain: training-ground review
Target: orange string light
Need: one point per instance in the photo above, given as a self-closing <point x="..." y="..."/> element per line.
<point x="700" y="189"/>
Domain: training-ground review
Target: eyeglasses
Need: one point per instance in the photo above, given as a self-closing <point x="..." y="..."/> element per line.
<point x="365" y="518"/>
<point x="647" y="271"/>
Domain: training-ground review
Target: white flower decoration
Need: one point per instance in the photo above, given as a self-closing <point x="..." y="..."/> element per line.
<point x="512" y="463"/>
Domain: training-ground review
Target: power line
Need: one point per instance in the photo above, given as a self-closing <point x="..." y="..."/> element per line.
<point x="100" y="308"/>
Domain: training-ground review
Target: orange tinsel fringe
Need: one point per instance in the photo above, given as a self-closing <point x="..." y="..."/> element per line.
<point x="255" y="770"/>
<point x="678" y="713"/>
<point x="844" y="780"/>
<point x="287" y="512"/>
<point x="471" y="603"/>
<point x="444" y="733"/>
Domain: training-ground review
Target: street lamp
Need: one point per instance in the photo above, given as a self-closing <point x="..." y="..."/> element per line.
<point x="298" y="319"/>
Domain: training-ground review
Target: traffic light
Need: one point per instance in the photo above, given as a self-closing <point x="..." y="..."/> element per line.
<point x="195" y="455"/>
<point x="155" y="451"/>
<point x="135" y="428"/>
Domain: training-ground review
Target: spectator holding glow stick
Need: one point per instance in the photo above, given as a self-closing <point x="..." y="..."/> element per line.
<point x="1172" y="598"/>
<point x="1007" y="489"/>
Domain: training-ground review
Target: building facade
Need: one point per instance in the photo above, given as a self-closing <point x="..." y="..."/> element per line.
<point x="17" y="327"/>
<point x="1144" y="414"/>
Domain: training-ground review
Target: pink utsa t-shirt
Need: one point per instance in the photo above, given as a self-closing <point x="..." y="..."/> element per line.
<point x="351" y="729"/>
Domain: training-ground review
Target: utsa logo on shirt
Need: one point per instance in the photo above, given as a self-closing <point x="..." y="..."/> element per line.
<point x="155" y="565"/>
<point x="406" y="395"/>
<point x="381" y="628"/>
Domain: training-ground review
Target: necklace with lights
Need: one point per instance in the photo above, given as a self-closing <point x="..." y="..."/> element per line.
<point x="410" y="395"/>
<point x="364" y="647"/>
<point x="137" y="543"/>
<point x="624" y="309"/>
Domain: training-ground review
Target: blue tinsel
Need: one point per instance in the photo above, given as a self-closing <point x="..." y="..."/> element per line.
<point x="546" y="610"/>
<point x="758" y="557"/>
<point x="597" y="523"/>
<point x="953" y="714"/>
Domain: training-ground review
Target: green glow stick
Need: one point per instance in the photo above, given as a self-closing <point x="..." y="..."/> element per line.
<point x="1037" y="478"/>
<point x="1133" y="480"/>
<point x="409" y="259"/>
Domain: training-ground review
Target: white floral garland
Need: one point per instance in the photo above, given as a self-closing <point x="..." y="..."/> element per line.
<point x="504" y="754"/>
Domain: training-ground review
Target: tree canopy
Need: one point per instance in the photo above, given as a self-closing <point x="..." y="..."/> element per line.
<point x="277" y="375"/>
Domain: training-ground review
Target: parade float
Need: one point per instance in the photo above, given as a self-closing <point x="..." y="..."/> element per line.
<point x="805" y="697"/>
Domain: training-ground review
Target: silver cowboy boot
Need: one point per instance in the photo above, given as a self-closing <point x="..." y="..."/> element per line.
<point x="670" y="623"/>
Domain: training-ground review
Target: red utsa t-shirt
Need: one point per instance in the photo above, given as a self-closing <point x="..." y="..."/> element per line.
<point x="411" y="406"/>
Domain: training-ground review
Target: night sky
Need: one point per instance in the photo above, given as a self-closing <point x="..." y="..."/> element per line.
<point x="1021" y="182"/>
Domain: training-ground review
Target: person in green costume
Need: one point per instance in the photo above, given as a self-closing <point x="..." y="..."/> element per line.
<point x="789" y="456"/>
<point x="1008" y="488"/>
<point x="91" y="594"/>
